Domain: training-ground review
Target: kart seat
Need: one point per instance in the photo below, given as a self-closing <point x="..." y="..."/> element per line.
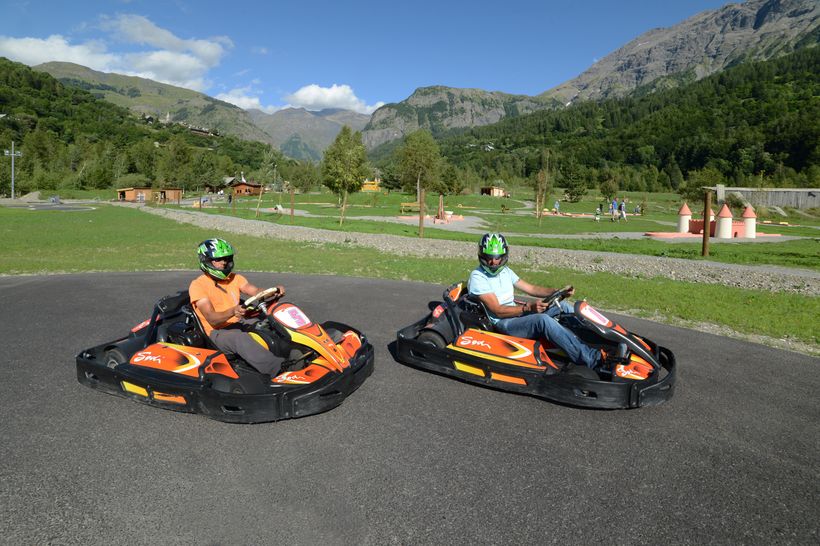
<point x="188" y="330"/>
<point x="473" y="313"/>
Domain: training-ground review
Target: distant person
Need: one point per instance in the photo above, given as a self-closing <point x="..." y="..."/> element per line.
<point x="557" y="207"/>
<point x="598" y="214"/>
<point x="622" y="210"/>
<point x="613" y="209"/>
<point x="215" y="298"/>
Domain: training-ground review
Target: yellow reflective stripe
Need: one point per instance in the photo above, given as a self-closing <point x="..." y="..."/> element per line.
<point x="467" y="368"/>
<point x="136" y="389"/>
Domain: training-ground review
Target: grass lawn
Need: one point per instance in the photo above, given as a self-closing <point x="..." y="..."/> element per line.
<point x="526" y="228"/>
<point x="120" y="239"/>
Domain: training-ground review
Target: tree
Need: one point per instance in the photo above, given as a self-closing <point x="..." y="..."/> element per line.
<point x="305" y="175"/>
<point x="419" y="163"/>
<point x="574" y="186"/>
<point x="344" y="166"/>
<point x="608" y="188"/>
<point x="543" y="185"/>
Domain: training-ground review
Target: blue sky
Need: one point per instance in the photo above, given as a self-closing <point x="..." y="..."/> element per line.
<point x="317" y="54"/>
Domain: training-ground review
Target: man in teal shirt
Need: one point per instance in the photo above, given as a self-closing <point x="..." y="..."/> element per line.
<point x="494" y="283"/>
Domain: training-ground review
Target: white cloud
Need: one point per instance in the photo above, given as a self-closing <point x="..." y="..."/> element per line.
<point x="247" y="98"/>
<point x="167" y="58"/>
<point x="137" y="29"/>
<point x="34" y="51"/>
<point x="314" y="97"/>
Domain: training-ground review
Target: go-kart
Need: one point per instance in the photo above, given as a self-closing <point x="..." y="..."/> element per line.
<point x="167" y="361"/>
<point x="457" y="339"/>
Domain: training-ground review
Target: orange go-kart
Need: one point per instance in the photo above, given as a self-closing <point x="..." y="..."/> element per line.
<point x="457" y="339"/>
<point x="167" y="361"/>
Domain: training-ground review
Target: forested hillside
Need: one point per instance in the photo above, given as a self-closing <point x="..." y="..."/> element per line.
<point x="70" y="139"/>
<point x="756" y="123"/>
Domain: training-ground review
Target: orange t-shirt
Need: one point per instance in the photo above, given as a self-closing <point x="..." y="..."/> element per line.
<point x="222" y="294"/>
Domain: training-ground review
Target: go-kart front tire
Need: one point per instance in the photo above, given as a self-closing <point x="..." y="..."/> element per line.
<point x="430" y="337"/>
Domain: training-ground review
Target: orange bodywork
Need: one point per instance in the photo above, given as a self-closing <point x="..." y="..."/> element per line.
<point x="172" y="358"/>
<point x="187" y="361"/>
<point x="638" y="368"/>
<point x="505" y="349"/>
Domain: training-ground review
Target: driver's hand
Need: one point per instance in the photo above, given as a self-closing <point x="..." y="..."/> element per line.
<point x="281" y="290"/>
<point x="538" y="306"/>
<point x="239" y="311"/>
<point x="569" y="289"/>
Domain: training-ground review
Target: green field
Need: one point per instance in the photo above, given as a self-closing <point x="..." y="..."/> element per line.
<point x="523" y="228"/>
<point x="121" y="239"/>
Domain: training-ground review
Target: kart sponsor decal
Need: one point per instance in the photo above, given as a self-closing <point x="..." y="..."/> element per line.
<point x="438" y="311"/>
<point x="171" y="358"/>
<point x="291" y="316"/>
<point x="141" y="325"/>
<point x="488" y="341"/>
<point x="468" y="341"/>
<point x="301" y="377"/>
<point x="498" y="348"/>
<point x="638" y="368"/>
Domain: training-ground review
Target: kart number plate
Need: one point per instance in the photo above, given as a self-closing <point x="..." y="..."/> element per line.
<point x="292" y="317"/>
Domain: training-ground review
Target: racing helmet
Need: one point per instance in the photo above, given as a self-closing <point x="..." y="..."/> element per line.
<point x="215" y="249"/>
<point x="493" y="245"/>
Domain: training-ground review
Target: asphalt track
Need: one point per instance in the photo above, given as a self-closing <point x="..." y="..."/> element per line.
<point x="410" y="458"/>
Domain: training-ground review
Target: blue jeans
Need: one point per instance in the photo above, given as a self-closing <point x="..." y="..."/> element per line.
<point x="545" y="325"/>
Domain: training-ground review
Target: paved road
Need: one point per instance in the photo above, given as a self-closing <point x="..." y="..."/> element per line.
<point x="409" y="458"/>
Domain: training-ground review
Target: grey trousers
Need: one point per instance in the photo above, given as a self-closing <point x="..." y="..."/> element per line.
<point x="234" y="340"/>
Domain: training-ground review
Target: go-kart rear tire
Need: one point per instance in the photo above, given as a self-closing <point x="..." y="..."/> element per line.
<point x="114" y="358"/>
<point x="430" y="337"/>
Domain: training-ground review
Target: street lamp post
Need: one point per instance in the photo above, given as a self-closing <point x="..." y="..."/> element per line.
<point x="13" y="154"/>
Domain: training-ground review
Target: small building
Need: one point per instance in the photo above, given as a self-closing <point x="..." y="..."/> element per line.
<point x="145" y="195"/>
<point x="494" y="191"/>
<point x="372" y="185"/>
<point x="246" y="188"/>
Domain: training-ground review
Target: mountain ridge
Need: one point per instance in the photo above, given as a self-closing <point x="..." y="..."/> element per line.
<point x="699" y="46"/>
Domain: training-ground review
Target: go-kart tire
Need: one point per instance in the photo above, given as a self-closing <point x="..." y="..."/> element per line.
<point x="114" y="358"/>
<point x="430" y="337"/>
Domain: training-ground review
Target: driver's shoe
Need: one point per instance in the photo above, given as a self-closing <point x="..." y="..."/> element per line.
<point x="618" y="356"/>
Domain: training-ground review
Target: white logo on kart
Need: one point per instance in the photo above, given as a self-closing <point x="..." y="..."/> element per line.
<point x="143" y="356"/>
<point x="467" y="341"/>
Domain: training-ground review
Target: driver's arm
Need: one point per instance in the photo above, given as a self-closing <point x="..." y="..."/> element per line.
<point x="502" y="311"/>
<point x="251" y="290"/>
<point x="216" y="318"/>
<point x="538" y="291"/>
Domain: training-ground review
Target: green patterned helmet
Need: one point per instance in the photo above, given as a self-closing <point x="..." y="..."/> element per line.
<point x="215" y="249"/>
<point x="493" y="245"/>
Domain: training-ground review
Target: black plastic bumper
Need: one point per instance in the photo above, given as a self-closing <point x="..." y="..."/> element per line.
<point x="281" y="402"/>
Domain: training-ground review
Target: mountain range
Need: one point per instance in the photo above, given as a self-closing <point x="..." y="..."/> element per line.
<point x="660" y="58"/>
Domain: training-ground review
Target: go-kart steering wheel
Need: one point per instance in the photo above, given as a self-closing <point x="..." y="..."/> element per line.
<point x="261" y="297"/>
<point x="557" y="296"/>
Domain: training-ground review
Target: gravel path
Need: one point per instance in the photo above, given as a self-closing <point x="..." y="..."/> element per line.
<point x="771" y="278"/>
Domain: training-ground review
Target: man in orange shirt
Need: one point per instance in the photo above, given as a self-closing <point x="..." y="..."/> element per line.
<point x="215" y="298"/>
